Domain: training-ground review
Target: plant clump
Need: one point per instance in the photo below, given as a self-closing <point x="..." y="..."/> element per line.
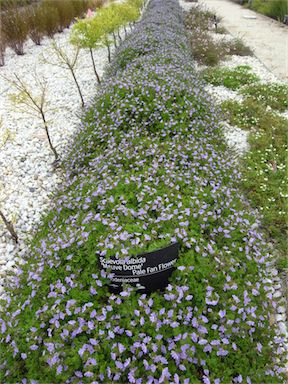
<point x="200" y="23"/>
<point x="148" y="167"/>
<point x="232" y="78"/>
<point x="15" y="29"/>
<point x="274" y="96"/>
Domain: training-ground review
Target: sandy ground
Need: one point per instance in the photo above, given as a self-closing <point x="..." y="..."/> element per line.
<point x="266" y="37"/>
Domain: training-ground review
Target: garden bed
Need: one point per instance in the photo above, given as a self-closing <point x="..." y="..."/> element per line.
<point x="148" y="167"/>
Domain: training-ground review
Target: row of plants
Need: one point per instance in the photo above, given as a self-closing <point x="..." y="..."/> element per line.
<point x="104" y="28"/>
<point x="37" y="20"/>
<point x="277" y="9"/>
<point x="34" y="103"/>
<point x="148" y="167"/>
<point x="264" y="167"/>
<point x="6" y="4"/>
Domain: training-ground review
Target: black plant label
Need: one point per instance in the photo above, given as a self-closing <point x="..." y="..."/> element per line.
<point x="148" y="271"/>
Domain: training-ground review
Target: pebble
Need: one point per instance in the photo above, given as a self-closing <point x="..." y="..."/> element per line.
<point x="277" y="294"/>
<point x="282" y="328"/>
<point x="281" y="309"/>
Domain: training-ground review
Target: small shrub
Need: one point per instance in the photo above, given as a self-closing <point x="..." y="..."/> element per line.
<point x="15" y="29"/>
<point x="36" y="20"/>
<point x="65" y="11"/>
<point x="237" y="47"/>
<point x="231" y="78"/>
<point x="199" y="17"/>
<point x="50" y="20"/>
<point x="79" y="6"/>
<point x="205" y="50"/>
<point x="96" y="4"/>
<point x="221" y="30"/>
<point x="272" y="95"/>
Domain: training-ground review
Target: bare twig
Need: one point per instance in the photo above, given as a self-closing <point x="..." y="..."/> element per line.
<point x="9" y="227"/>
<point x="66" y="62"/>
<point x="36" y="104"/>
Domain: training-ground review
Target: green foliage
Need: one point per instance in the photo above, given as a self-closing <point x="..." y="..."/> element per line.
<point x="36" y="19"/>
<point x="86" y="34"/>
<point x="276" y="9"/>
<point x="8" y="4"/>
<point x="264" y="167"/>
<point x="265" y="183"/>
<point x="15" y="29"/>
<point x="65" y="10"/>
<point x="51" y="19"/>
<point x="232" y="78"/>
<point x="251" y="114"/>
<point x="271" y="95"/>
<point x="96" y="31"/>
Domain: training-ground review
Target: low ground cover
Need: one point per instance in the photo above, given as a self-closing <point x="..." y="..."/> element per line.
<point x="264" y="167"/>
<point x="232" y="78"/>
<point x="148" y="167"/>
<point x="272" y="95"/>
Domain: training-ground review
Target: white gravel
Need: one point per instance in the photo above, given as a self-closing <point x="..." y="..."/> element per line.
<point x="221" y="93"/>
<point x="27" y="177"/>
<point x="258" y="68"/>
<point x="237" y="138"/>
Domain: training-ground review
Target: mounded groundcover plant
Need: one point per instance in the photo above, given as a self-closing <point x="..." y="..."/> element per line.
<point x="148" y="167"/>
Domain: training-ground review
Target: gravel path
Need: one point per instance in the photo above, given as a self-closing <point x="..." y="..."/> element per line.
<point x="265" y="36"/>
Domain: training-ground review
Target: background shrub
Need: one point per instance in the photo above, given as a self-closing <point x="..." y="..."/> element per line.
<point x="51" y="19"/>
<point x="15" y="28"/>
<point x="36" y="19"/>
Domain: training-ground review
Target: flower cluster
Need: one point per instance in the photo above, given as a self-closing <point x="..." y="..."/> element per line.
<point x="148" y="167"/>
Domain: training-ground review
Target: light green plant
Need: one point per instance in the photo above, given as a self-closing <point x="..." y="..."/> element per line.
<point x="271" y="95"/>
<point x="232" y="78"/>
<point x="86" y="34"/>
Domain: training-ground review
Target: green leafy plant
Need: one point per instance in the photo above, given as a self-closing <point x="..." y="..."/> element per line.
<point x="15" y="29"/>
<point x="271" y="95"/>
<point x="265" y="181"/>
<point x="36" y="19"/>
<point x="232" y="78"/>
<point x="86" y="34"/>
<point x="251" y="114"/>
